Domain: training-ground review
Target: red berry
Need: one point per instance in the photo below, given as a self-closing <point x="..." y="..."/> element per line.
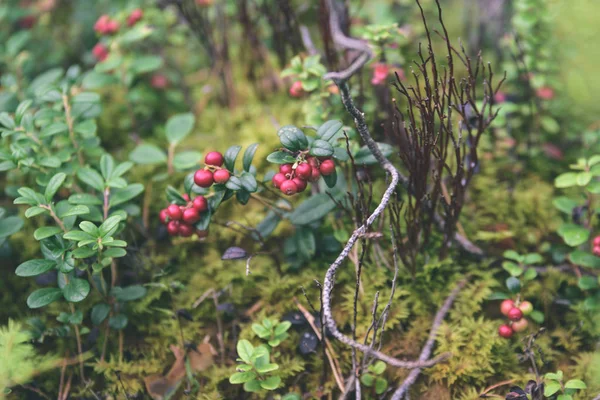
<point x="596" y="251"/>
<point x="200" y="204"/>
<point x="214" y="158"/>
<point x="300" y="184"/>
<point x="221" y="176"/>
<point x="289" y="187"/>
<point x="296" y="89"/>
<point x="304" y="171"/>
<point x="159" y="81"/>
<point x="186" y="230"/>
<point x="286" y="169"/>
<point x="313" y="162"/>
<point x="112" y="26"/>
<point x="315" y="175"/>
<point x="173" y="228"/>
<point x="278" y="179"/>
<point x="100" y="52"/>
<point x="526" y="307"/>
<point x="506" y="306"/>
<point x="101" y="24"/>
<point x="505" y="331"/>
<point x="190" y="216"/>
<point x="27" y="21"/>
<point x="203" y="178"/>
<point x="520" y="325"/>
<point x="164" y="214"/>
<point x="135" y="16"/>
<point x="186" y="197"/>
<point x="174" y="212"/>
<point x="204" y="3"/>
<point x="596" y="241"/>
<point x="515" y="314"/>
<point x="327" y="167"/>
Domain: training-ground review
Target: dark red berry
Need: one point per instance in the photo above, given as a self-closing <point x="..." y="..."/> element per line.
<point x="164" y="214"/>
<point x="135" y="16"/>
<point x="285" y="169"/>
<point x="100" y="52"/>
<point x="203" y="178"/>
<point x="221" y="176"/>
<point x="159" y="81"/>
<point x="596" y="241"/>
<point x="313" y="162"/>
<point x="173" y="228"/>
<point x="506" y="306"/>
<point x="278" y="179"/>
<point x="304" y="171"/>
<point x="214" y="158"/>
<point x="191" y="216"/>
<point x="327" y="167"/>
<point x="596" y="251"/>
<point x="186" y="230"/>
<point x="505" y="331"/>
<point x="112" y="26"/>
<point x="300" y="184"/>
<point x="200" y="204"/>
<point x="174" y="212"/>
<point x="315" y="175"/>
<point x="289" y="187"/>
<point x="515" y="314"/>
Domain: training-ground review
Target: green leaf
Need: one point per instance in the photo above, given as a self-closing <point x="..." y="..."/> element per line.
<point x="261" y="331"/>
<point x="53" y="185"/>
<point x="282" y="327"/>
<point x="575" y="384"/>
<point x="128" y="293"/>
<point x="593" y="187"/>
<point x="186" y="160"/>
<point x="566" y="180"/>
<point x="145" y="64"/>
<point x="564" y="397"/>
<point x="551" y="388"/>
<point x="43" y="297"/>
<point x="92" y="178"/>
<point x="78" y="236"/>
<point x="263" y="369"/>
<point x="115" y="252"/>
<point x="33" y="211"/>
<point x="75" y="210"/>
<point x="329" y="129"/>
<point x="7" y="121"/>
<point x="178" y="127"/>
<point x="513" y="284"/>
<point x="292" y="138"/>
<point x="54" y="129"/>
<point x="109" y="224"/>
<point x="90" y="228"/>
<point x="271" y="383"/>
<point x="558" y="376"/>
<point x="573" y="235"/>
<point x="147" y="154"/>
<point x="364" y="155"/>
<point x="107" y="165"/>
<point x="252" y="386"/>
<point x="367" y="380"/>
<point x="76" y="290"/>
<point x="99" y="313"/>
<point x="321" y="148"/>
<point x="242" y="377"/>
<point x="10" y="226"/>
<point x="537" y="316"/>
<point x="583" y="178"/>
<point x="45" y="232"/>
<point x="532" y="258"/>
<point x="245" y="350"/>
<point x="118" y="321"/>
<point x="565" y="204"/>
<point x="512" y="268"/>
<point x="85" y="199"/>
<point x="380" y="385"/>
<point x="313" y="209"/>
<point x="249" y="182"/>
<point x="378" y="368"/>
<point x="529" y="274"/>
<point x="120" y="196"/>
<point x="280" y="157"/>
<point x="230" y="157"/>
<point x="83" y="252"/>
<point x="249" y="156"/>
<point x="584" y="259"/>
<point x="587" y="282"/>
<point x="35" y="267"/>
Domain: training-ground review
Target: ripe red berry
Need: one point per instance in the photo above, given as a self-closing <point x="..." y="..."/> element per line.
<point x="100" y="52"/>
<point x="186" y="230"/>
<point x="27" y="22"/>
<point x="203" y="178"/>
<point x="174" y="212"/>
<point x="101" y="24"/>
<point x="214" y="158"/>
<point x="173" y="228"/>
<point x="596" y="241"/>
<point x="520" y="325"/>
<point x="112" y="26"/>
<point x="304" y="171"/>
<point x="286" y="169"/>
<point x="159" y="81"/>
<point x="327" y="167"/>
<point x="596" y="251"/>
<point x="221" y="176"/>
<point x="505" y="331"/>
<point x="278" y="179"/>
<point x="526" y="307"/>
<point x="296" y="89"/>
<point x="163" y="215"/>
<point x="204" y="3"/>
<point x="200" y="204"/>
<point x="515" y="314"/>
<point x="506" y="306"/>
<point x="135" y="16"/>
<point x="289" y="187"/>
<point x="190" y="216"/>
<point x="300" y="184"/>
<point x="315" y="175"/>
<point x="186" y="197"/>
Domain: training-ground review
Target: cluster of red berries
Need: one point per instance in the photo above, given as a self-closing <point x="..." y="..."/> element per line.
<point x="515" y="313"/>
<point x="180" y="220"/>
<point x="107" y="26"/>
<point x="296" y="89"/>
<point x="212" y="172"/>
<point x="293" y="179"/>
<point x="596" y="246"/>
